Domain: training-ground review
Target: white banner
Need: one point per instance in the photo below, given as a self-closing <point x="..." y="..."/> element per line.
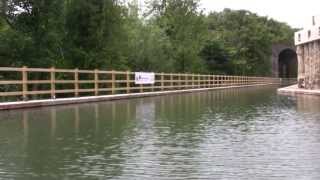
<point x="144" y="78"/>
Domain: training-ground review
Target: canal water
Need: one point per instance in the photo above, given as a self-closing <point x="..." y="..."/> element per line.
<point x="249" y="133"/>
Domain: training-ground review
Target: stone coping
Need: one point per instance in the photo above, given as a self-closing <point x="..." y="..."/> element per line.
<point x="77" y="100"/>
<point x="294" y="90"/>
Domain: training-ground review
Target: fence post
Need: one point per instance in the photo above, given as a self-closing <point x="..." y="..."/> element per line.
<point x="199" y="81"/>
<point x="155" y="81"/>
<point x="186" y="81"/>
<point x="96" y="82"/>
<point x="141" y="88"/>
<point x="25" y="83"/>
<point x="128" y="82"/>
<point x="234" y="80"/>
<point x="53" y="82"/>
<point x="113" y="83"/>
<point x="205" y="81"/>
<point x="212" y="80"/>
<point x="216" y="81"/>
<point x="171" y="81"/>
<point x="76" y="82"/>
<point x="179" y="81"/>
<point x="192" y="80"/>
<point x="162" y="81"/>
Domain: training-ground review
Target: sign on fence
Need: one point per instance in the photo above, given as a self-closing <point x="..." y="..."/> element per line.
<point x="144" y="78"/>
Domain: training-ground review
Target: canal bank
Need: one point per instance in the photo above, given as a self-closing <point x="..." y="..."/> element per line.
<point x="38" y="87"/>
<point x="295" y="90"/>
<point x="77" y="100"/>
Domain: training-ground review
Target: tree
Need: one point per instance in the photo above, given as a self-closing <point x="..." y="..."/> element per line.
<point x="249" y="38"/>
<point x="149" y="48"/>
<point x="109" y="34"/>
<point x="217" y="57"/>
<point x="33" y="32"/>
<point x="186" y="29"/>
<point x="95" y="37"/>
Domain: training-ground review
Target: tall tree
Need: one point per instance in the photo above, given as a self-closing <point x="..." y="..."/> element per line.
<point x="95" y="33"/>
<point x="186" y="29"/>
<point x="34" y="34"/>
<point x="149" y="48"/>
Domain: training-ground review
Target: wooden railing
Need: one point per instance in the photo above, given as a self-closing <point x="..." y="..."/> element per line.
<point x="33" y="83"/>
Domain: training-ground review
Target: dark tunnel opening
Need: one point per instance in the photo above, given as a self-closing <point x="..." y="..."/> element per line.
<point x="288" y="64"/>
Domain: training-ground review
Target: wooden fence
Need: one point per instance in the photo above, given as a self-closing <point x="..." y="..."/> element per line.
<point x="28" y="83"/>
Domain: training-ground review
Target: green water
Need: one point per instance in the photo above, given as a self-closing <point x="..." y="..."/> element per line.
<point x="249" y="133"/>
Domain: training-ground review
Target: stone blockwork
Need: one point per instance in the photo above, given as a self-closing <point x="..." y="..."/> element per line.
<point x="308" y="51"/>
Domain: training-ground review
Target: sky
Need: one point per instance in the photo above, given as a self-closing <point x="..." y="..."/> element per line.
<point x="296" y="13"/>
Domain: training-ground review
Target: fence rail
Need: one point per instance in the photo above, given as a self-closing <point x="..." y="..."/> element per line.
<point x="31" y="82"/>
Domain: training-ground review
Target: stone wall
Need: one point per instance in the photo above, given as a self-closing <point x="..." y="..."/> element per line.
<point x="309" y="65"/>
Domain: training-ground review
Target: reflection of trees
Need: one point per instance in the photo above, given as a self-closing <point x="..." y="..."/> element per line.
<point x="68" y="140"/>
<point x="187" y="110"/>
<point x="187" y="119"/>
<point x="109" y="138"/>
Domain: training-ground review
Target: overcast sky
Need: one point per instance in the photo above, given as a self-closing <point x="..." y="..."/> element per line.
<point x="296" y="13"/>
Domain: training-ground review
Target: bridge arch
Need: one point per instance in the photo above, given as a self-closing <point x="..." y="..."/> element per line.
<point x="284" y="61"/>
<point x="288" y="64"/>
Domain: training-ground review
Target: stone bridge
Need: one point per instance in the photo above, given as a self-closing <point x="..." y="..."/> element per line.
<point x="284" y="61"/>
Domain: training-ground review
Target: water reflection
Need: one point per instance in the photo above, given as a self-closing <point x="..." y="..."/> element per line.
<point x="246" y="133"/>
<point x="308" y="103"/>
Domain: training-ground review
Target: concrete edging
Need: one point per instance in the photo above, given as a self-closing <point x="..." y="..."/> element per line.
<point x="88" y="99"/>
<point x="294" y="90"/>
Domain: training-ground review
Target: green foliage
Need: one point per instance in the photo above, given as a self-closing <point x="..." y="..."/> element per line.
<point x="108" y="34"/>
<point x="95" y="34"/>
<point x="217" y="57"/>
<point x="186" y="29"/>
<point x="248" y="38"/>
<point x="150" y="48"/>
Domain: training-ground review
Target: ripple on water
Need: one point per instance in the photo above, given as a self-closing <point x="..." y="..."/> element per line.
<point x="233" y="134"/>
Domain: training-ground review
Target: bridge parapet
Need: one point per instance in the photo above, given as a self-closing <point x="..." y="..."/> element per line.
<point x="309" y="33"/>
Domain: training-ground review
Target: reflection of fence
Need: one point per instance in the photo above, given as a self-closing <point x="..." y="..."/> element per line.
<point x="51" y="83"/>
